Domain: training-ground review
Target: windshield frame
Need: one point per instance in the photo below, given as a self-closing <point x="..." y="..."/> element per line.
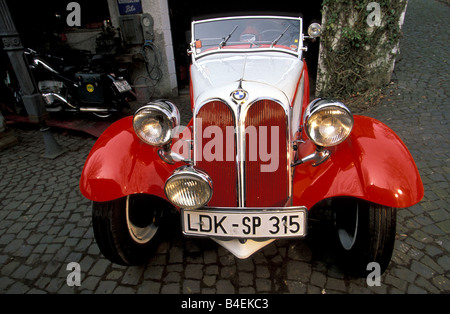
<point x="198" y="54"/>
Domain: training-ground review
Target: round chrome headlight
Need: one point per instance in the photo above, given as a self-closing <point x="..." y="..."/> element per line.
<point x="314" y="30"/>
<point x="188" y="188"/>
<point x="327" y="123"/>
<point x="154" y="122"/>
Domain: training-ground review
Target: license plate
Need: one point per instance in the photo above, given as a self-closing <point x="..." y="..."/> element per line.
<point x="122" y="86"/>
<point x="246" y="223"/>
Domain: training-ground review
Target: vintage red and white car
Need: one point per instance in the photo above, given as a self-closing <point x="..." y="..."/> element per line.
<point x="255" y="159"/>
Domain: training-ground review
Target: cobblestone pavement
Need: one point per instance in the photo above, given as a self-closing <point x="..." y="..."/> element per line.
<point x="45" y="223"/>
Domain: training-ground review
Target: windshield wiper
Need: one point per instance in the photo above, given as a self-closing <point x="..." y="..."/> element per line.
<point x="279" y="37"/>
<point x="225" y="39"/>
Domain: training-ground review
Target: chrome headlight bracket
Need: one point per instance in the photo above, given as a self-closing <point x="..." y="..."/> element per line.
<point x="170" y="157"/>
<point x="319" y="156"/>
<point x="327" y="123"/>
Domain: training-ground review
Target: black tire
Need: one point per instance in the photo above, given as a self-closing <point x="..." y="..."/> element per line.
<point x="365" y="233"/>
<point x="127" y="230"/>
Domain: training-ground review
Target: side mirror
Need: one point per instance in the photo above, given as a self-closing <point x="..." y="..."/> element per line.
<point x="314" y="30"/>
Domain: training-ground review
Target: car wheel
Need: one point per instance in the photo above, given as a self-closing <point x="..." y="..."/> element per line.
<point x="127" y="230"/>
<point x="365" y="234"/>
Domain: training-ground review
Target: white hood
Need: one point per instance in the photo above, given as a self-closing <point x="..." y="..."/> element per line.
<point x="222" y="70"/>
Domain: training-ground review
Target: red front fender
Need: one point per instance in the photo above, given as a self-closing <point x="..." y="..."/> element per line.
<point x="373" y="164"/>
<point x="120" y="164"/>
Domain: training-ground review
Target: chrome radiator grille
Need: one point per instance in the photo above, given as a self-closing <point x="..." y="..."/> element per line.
<point x="249" y="167"/>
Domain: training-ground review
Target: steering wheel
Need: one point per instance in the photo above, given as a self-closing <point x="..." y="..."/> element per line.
<point x="265" y="34"/>
<point x="250" y="38"/>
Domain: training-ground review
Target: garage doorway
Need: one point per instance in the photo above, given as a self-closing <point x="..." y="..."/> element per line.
<point x="183" y="12"/>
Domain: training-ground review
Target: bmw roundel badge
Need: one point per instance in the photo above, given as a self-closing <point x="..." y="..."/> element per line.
<point x="239" y="94"/>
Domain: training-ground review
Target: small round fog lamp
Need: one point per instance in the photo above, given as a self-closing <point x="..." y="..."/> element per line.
<point x="188" y="188"/>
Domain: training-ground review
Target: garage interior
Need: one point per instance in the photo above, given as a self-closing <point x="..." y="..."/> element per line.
<point x="183" y="12"/>
<point x="41" y="23"/>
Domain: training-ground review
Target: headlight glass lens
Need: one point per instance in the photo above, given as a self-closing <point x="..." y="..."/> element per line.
<point x="154" y="123"/>
<point x="314" y="30"/>
<point x="189" y="189"/>
<point x="329" y="125"/>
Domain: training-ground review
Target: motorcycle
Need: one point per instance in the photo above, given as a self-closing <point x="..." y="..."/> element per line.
<point x="92" y="84"/>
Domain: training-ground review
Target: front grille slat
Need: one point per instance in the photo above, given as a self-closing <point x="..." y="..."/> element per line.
<point x="265" y="182"/>
<point x="223" y="171"/>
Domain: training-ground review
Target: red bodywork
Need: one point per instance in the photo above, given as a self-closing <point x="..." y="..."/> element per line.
<point x="372" y="164"/>
<point x="120" y="164"/>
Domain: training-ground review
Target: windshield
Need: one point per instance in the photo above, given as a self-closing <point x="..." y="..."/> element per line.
<point x="280" y="33"/>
